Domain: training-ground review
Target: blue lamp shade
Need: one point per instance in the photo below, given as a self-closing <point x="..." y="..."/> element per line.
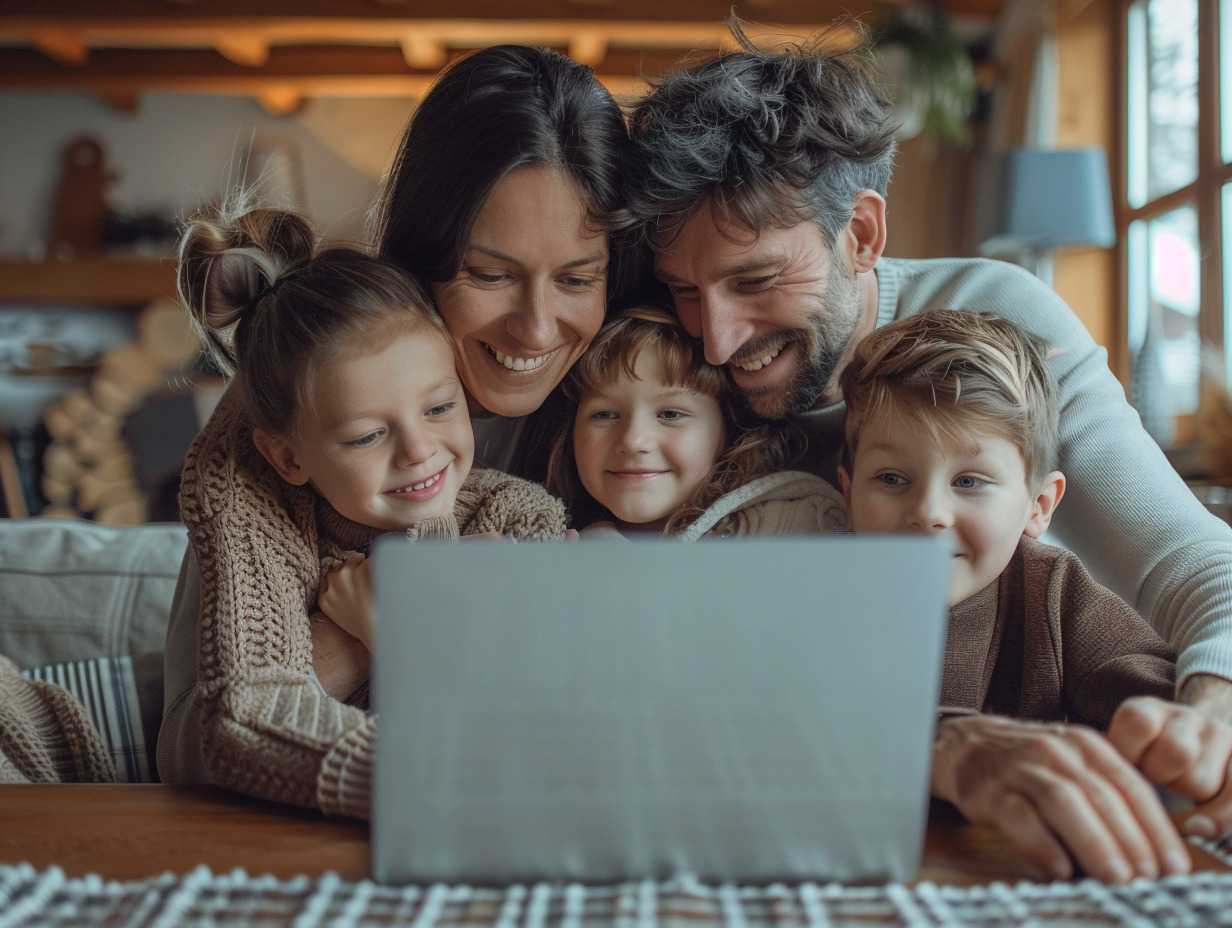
<point x="1038" y="199"/>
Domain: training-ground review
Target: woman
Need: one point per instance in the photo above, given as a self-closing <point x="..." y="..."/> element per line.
<point x="500" y="202"/>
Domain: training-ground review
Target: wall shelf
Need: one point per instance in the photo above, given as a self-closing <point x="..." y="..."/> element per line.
<point x="110" y="281"/>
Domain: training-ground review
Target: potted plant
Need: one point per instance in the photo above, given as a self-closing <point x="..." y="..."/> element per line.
<point x="929" y="72"/>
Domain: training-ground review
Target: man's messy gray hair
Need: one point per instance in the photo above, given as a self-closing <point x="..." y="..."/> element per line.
<point x="771" y="137"/>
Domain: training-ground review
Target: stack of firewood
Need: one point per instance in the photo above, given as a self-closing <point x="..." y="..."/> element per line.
<point x="88" y="468"/>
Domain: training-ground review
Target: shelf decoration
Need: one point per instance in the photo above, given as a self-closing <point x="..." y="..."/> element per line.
<point x="88" y="467"/>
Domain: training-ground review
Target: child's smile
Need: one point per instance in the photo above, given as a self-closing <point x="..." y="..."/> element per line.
<point x="386" y="439"/>
<point x="970" y="488"/>
<point x="644" y="446"/>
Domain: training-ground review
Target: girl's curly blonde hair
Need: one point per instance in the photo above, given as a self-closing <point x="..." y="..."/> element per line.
<point x="751" y="448"/>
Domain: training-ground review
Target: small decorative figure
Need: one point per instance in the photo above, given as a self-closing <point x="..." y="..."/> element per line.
<point x="81" y="204"/>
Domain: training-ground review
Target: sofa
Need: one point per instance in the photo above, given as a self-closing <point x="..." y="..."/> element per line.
<point x="86" y="605"/>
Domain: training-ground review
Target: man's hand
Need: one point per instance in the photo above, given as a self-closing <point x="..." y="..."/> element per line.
<point x="346" y="598"/>
<point x="1208" y="694"/>
<point x="1061" y="793"/>
<point x="1184" y="749"/>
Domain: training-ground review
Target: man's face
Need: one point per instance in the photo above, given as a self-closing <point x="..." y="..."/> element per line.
<point x="778" y="308"/>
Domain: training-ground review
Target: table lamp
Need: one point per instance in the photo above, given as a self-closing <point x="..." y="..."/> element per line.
<point x="1039" y="199"/>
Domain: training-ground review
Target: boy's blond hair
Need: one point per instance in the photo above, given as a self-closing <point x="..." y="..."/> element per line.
<point x="749" y="450"/>
<point x="953" y="372"/>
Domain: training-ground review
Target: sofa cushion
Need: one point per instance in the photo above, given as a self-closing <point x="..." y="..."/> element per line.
<point x="107" y="688"/>
<point x="73" y="590"/>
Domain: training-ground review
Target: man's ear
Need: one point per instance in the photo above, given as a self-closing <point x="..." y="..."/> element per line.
<point x="1045" y="504"/>
<point x="867" y="230"/>
<point x="281" y="456"/>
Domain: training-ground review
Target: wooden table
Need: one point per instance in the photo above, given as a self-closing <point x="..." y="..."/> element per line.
<point x="138" y="831"/>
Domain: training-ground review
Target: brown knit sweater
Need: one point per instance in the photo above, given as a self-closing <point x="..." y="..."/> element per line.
<point x="46" y="735"/>
<point x="1048" y="643"/>
<point x="262" y="546"/>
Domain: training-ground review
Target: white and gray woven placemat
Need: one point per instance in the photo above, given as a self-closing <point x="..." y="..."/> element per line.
<point x="30" y="897"/>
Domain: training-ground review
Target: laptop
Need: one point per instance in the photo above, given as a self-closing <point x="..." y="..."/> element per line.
<point x="753" y="710"/>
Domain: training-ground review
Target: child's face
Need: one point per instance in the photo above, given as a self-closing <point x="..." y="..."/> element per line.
<point x="387" y="439"/>
<point x="971" y="489"/>
<point x="643" y="446"/>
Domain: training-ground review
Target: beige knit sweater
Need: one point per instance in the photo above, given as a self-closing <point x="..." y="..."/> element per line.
<point x="46" y="735"/>
<point x="263" y="546"/>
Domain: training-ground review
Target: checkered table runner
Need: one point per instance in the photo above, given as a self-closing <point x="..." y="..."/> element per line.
<point x="30" y="897"/>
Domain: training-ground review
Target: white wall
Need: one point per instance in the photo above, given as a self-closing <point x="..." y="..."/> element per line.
<point x="178" y="150"/>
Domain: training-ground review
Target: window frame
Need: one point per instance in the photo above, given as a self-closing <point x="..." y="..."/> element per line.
<point x="1204" y="192"/>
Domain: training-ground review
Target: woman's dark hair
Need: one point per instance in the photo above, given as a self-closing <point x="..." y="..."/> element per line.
<point x="271" y="306"/>
<point x="495" y="110"/>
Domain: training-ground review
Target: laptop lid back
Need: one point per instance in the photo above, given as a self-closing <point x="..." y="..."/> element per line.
<point x="746" y="710"/>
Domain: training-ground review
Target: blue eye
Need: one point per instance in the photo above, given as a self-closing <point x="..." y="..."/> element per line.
<point x="441" y="409"/>
<point x="968" y="482"/>
<point x="365" y="440"/>
<point x="604" y="415"/>
<point x="892" y="480"/>
<point x="671" y="415"/>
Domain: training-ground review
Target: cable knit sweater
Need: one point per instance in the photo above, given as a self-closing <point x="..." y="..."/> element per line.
<point x="262" y="547"/>
<point x="1046" y="642"/>
<point x="46" y="735"/>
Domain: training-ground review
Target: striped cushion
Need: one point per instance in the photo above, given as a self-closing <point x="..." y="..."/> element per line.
<point x="107" y="688"/>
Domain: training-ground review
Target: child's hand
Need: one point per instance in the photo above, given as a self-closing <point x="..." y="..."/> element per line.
<point x="346" y="598"/>
<point x="1061" y="793"/>
<point x="1183" y="749"/>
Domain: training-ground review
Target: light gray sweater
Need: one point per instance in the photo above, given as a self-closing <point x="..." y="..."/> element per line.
<point x="1127" y="514"/>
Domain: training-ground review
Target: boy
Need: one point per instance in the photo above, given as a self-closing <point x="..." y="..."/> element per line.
<point x="952" y="429"/>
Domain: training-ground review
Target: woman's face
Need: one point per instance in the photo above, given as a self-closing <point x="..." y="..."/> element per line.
<point x="530" y="294"/>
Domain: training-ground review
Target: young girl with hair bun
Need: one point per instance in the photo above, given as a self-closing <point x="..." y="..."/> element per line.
<point x="345" y="419"/>
<point x="655" y="444"/>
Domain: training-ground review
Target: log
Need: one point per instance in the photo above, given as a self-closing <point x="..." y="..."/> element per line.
<point x="132" y="368"/>
<point x="58" y="491"/>
<point x="60" y="462"/>
<point x="166" y="335"/>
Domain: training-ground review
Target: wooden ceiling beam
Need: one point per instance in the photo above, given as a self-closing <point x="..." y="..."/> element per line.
<point x="252" y="51"/>
<point x="708" y="11"/>
<point x="62" y="45"/>
<point x="306" y="72"/>
<point x="242" y="34"/>
<point x="424" y="52"/>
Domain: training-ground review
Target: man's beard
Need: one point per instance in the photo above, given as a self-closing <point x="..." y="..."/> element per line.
<point x="821" y="344"/>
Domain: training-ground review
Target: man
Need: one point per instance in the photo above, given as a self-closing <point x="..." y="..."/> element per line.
<point x="760" y="180"/>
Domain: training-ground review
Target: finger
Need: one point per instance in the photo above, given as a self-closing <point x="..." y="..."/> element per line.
<point x="1135" y="726"/>
<point x="1081" y="823"/>
<point x="572" y="534"/>
<point x="1133" y="811"/>
<point x="1018" y="819"/>
<point x="1179" y="758"/>
<point x="1213" y="818"/>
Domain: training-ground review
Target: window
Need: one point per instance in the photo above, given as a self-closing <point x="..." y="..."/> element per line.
<point x="1178" y="185"/>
